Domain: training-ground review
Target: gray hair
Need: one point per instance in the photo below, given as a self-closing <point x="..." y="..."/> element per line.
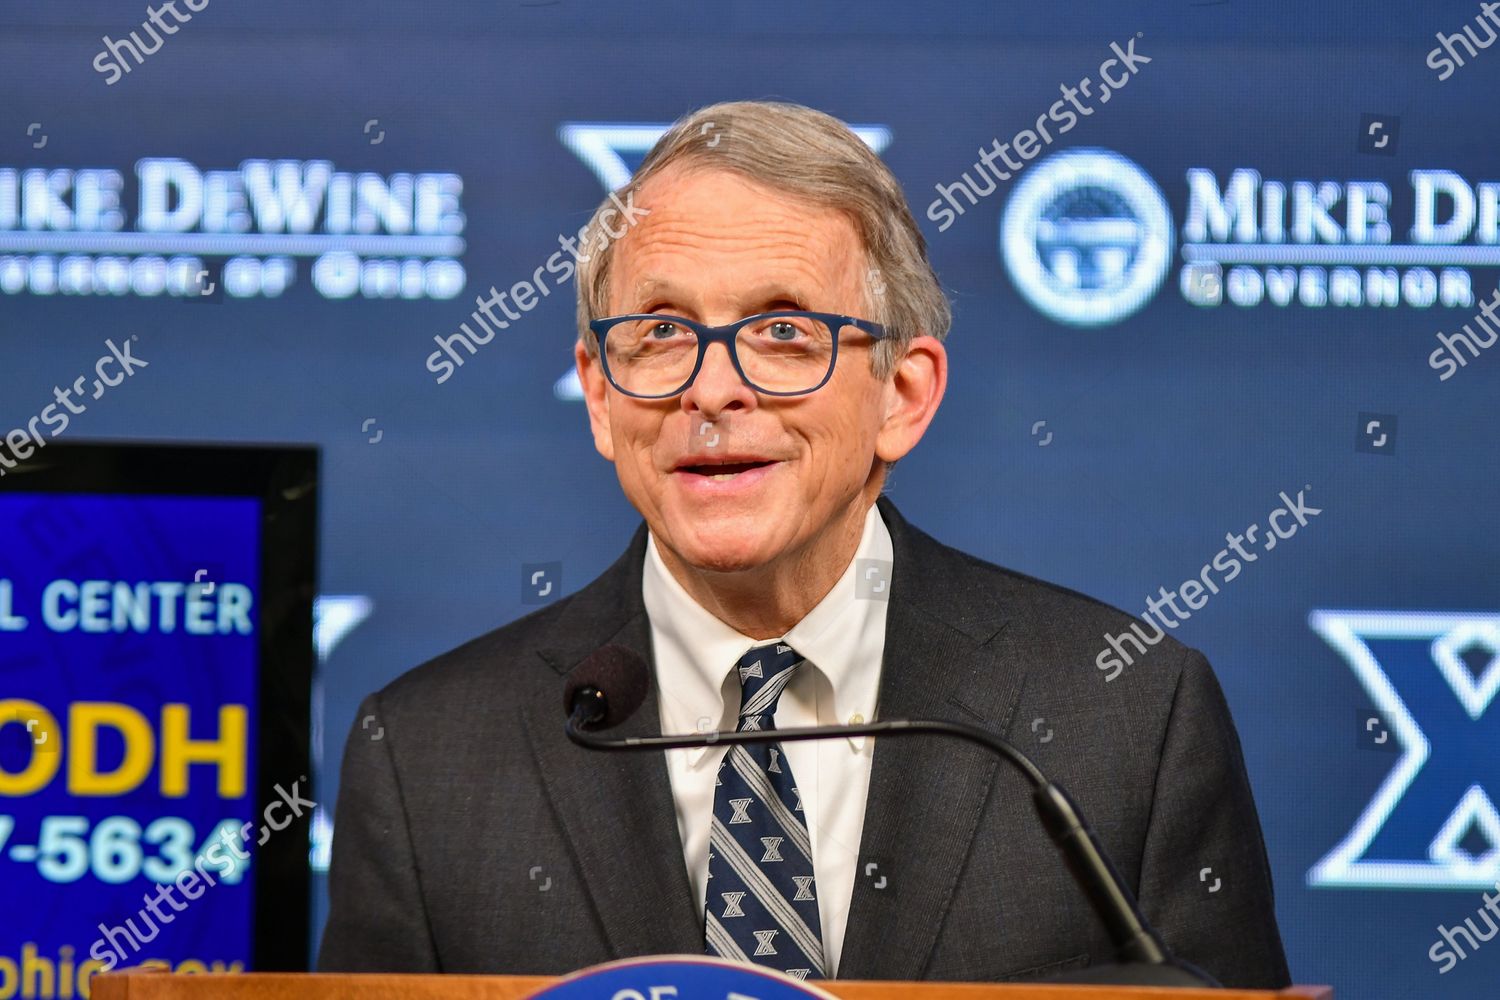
<point x="813" y="157"/>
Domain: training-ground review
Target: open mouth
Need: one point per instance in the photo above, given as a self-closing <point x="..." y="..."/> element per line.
<point x="721" y="472"/>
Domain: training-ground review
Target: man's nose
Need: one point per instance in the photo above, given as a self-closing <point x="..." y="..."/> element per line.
<point x="718" y="386"/>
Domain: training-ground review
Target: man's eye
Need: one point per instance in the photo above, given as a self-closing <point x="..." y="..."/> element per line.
<point x="782" y="330"/>
<point x="662" y="331"/>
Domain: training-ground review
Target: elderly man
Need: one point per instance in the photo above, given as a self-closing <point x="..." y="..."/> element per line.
<point x="756" y="352"/>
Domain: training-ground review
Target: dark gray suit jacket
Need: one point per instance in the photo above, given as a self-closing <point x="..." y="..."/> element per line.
<point x="472" y="837"/>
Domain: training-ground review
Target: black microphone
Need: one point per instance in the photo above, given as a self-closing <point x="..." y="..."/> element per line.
<point x="612" y="682"/>
<point x="615" y="669"/>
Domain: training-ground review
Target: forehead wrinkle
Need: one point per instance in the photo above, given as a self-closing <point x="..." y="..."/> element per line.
<point x="755" y="297"/>
<point x="695" y="216"/>
<point x="668" y="260"/>
<point x="694" y="197"/>
<point x="693" y="245"/>
<point x="798" y="272"/>
<point x="695" y="234"/>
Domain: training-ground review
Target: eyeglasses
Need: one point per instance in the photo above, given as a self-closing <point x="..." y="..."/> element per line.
<point x="787" y="353"/>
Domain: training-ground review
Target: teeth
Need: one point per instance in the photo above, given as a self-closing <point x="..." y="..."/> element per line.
<point x="723" y="476"/>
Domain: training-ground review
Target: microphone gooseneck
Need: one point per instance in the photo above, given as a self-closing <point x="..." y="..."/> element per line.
<point x="592" y="707"/>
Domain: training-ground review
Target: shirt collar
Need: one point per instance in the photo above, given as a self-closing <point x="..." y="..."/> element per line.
<point x="842" y="637"/>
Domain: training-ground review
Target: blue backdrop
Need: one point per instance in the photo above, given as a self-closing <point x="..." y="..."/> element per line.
<point x="1223" y="282"/>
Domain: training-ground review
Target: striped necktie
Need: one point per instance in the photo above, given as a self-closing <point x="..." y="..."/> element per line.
<point x="761" y="905"/>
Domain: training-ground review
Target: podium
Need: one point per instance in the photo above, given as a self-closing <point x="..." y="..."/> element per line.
<point x="152" y="984"/>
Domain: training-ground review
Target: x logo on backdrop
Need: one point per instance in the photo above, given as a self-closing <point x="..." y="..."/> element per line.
<point x="1421" y="828"/>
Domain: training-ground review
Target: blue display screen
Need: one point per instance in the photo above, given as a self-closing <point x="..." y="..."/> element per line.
<point x="129" y="656"/>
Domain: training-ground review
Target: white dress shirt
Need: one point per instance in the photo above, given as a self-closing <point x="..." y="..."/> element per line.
<point x="843" y="639"/>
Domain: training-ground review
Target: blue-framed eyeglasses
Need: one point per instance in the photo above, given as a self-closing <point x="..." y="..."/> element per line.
<point x="786" y="353"/>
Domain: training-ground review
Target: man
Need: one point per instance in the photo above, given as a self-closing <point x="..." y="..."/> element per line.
<point x="772" y="586"/>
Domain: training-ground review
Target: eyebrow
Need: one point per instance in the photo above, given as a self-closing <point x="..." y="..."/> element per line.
<point x="757" y="298"/>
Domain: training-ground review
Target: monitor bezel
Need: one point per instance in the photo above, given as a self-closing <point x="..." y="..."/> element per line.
<point x="284" y="478"/>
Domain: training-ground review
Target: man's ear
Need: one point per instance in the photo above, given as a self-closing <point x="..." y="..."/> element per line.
<point x="912" y="395"/>
<point x="596" y="398"/>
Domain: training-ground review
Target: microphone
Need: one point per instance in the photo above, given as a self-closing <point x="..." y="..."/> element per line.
<point x="615" y="669"/>
<point x="612" y="682"/>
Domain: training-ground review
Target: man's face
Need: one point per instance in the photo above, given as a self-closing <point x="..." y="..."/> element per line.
<point x="716" y="248"/>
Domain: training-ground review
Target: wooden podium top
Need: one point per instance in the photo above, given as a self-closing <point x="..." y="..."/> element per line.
<point x="152" y="984"/>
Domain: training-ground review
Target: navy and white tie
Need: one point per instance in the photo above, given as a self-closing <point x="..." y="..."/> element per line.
<point x="762" y="904"/>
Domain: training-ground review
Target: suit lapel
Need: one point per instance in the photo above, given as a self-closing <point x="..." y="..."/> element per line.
<point x="926" y="793"/>
<point x="615" y="809"/>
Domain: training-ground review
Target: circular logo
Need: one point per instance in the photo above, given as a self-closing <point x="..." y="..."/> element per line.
<point x="1087" y="237"/>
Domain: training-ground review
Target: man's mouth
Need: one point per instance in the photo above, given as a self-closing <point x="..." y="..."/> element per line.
<point x="721" y="472"/>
